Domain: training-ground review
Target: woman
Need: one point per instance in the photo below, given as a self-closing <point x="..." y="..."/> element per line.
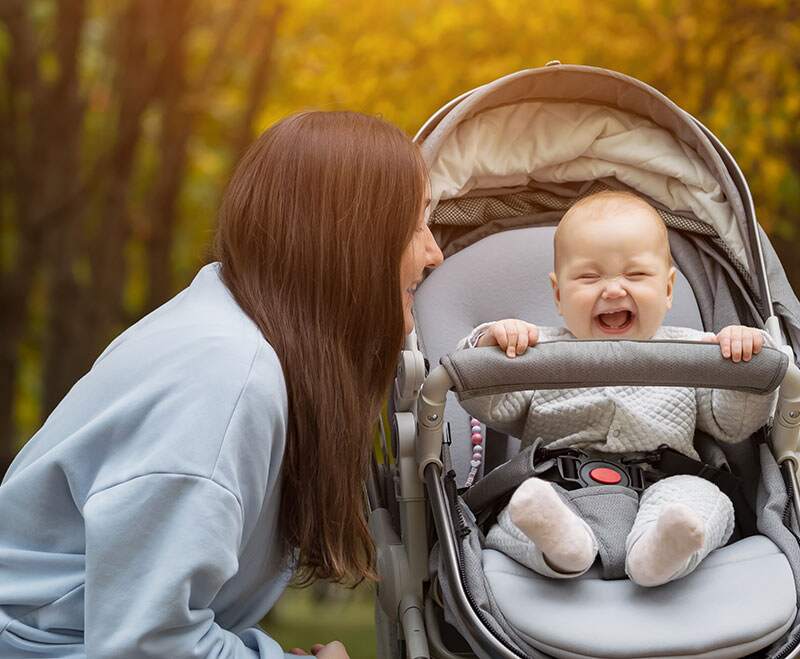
<point x="155" y="512"/>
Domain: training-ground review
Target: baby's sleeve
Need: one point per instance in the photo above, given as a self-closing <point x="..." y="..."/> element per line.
<point x="732" y="416"/>
<point x="506" y="413"/>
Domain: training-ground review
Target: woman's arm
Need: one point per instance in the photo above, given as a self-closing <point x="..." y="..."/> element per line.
<point x="158" y="550"/>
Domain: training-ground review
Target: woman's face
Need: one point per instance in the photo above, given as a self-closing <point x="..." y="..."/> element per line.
<point x="422" y="252"/>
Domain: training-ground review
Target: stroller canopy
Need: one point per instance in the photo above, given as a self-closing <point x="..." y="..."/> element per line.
<point x="571" y="124"/>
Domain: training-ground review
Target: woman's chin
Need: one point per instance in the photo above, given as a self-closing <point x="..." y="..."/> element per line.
<point x="408" y="322"/>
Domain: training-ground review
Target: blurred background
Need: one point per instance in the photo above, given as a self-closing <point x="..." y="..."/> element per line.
<point x="120" y="121"/>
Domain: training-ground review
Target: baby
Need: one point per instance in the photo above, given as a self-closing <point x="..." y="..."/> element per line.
<point x="613" y="279"/>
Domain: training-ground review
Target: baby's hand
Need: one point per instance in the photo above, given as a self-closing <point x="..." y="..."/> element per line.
<point x="739" y="343"/>
<point x="512" y="335"/>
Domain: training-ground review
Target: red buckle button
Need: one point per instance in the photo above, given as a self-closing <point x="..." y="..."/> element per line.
<point x="605" y="476"/>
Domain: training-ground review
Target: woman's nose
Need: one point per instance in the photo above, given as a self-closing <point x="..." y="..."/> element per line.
<point x="433" y="254"/>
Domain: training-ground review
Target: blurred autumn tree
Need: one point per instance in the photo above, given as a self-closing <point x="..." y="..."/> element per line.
<point x="120" y="121"/>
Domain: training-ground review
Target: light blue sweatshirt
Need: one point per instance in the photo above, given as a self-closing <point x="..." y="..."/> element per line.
<point x="141" y="520"/>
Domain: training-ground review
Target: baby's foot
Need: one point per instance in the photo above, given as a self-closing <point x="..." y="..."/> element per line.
<point x="666" y="547"/>
<point x="542" y="516"/>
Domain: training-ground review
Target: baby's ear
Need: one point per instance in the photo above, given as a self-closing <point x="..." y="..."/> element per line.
<point x="556" y="292"/>
<point x="670" y="286"/>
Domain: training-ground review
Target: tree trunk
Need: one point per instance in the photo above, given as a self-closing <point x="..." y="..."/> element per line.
<point x="176" y="126"/>
<point x="64" y="246"/>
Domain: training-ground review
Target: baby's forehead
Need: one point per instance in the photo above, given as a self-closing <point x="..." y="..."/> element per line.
<point x="626" y="212"/>
<point x="623" y="207"/>
<point x="606" y="219"/>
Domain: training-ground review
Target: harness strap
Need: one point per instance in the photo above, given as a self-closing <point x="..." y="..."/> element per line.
<point x="570" y="468"/>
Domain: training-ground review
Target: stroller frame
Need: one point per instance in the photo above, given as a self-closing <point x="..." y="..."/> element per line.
<point x="402" y="496"/>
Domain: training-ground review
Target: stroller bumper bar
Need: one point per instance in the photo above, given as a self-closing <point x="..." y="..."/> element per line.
<point x="570" y="364"/>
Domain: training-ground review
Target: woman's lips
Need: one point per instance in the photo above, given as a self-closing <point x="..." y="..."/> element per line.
<point x="616" y="322"/>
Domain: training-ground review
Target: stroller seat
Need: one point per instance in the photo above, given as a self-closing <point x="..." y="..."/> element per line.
<point x="739" y="600"/>
<point x="741" y="592"/>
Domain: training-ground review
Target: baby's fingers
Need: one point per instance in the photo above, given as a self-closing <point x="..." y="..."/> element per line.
<point x="523" y="338"/>
<point x="747" y="345"/>
<point x="737" y="344"/>
<point x="500" y="335"/>
<point x="724" y="340"/>
<point x="512" y="345"/>
<point x="731" y="342"/>
<point x="533" y="335"/>
<point x="758" y="342"/>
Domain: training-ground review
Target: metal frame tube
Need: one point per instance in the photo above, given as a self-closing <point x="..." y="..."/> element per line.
<point x="430" y="415"/>
<point x="786" y="426"/>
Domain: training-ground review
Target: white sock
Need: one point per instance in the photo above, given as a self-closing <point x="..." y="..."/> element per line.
<point x="666" y="547"/>
<point x="559" y="533"/>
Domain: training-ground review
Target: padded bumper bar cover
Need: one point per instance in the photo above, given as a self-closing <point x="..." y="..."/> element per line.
<point x="588" y="363"/>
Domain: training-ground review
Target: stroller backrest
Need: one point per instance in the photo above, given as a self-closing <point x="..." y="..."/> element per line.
<point x="504" y="275"/>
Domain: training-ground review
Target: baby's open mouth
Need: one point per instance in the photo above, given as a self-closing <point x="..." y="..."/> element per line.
<point x="615" y="321"/>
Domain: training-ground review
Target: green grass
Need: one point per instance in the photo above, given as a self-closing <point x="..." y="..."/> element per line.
<point x="300" y="619"/>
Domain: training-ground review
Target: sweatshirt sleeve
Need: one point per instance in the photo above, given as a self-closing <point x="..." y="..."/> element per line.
<point x="732" y="416"/>
<point x="155" y="601"/>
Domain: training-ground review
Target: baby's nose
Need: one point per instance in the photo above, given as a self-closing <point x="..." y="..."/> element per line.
<point x="613" y="289"/>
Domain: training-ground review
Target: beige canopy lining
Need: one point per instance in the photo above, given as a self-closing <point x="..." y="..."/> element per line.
<point x="553" y="142"/>
<point x="564" y="83"/>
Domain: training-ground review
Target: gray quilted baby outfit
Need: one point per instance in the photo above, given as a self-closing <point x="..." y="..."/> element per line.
<point x="626" y="420"/>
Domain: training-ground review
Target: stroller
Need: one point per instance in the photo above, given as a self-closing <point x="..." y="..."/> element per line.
<point x="506" y="160"/>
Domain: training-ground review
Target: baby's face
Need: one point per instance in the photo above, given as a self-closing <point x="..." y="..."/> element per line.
<point x="613" y="277"/>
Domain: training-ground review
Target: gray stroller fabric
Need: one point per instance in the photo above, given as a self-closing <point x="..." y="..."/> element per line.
<point x="772" y="504"/>
<point x="569" y="364"/>
<point x="505" y="479"/>
<point x="470" y="548"/>
<point x="610" y="511"/>
<point x="741" y="599"/>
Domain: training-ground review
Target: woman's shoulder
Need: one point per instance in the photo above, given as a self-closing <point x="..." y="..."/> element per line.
<point x="203" y="312"/>
<point x="194" y="389"/>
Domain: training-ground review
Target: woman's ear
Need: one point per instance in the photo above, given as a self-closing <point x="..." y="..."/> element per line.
<point x="670" y="286"/>
<point x="556" y="292"/>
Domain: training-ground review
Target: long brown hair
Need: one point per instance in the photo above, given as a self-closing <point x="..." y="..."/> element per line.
<point x="311" y="231"/>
